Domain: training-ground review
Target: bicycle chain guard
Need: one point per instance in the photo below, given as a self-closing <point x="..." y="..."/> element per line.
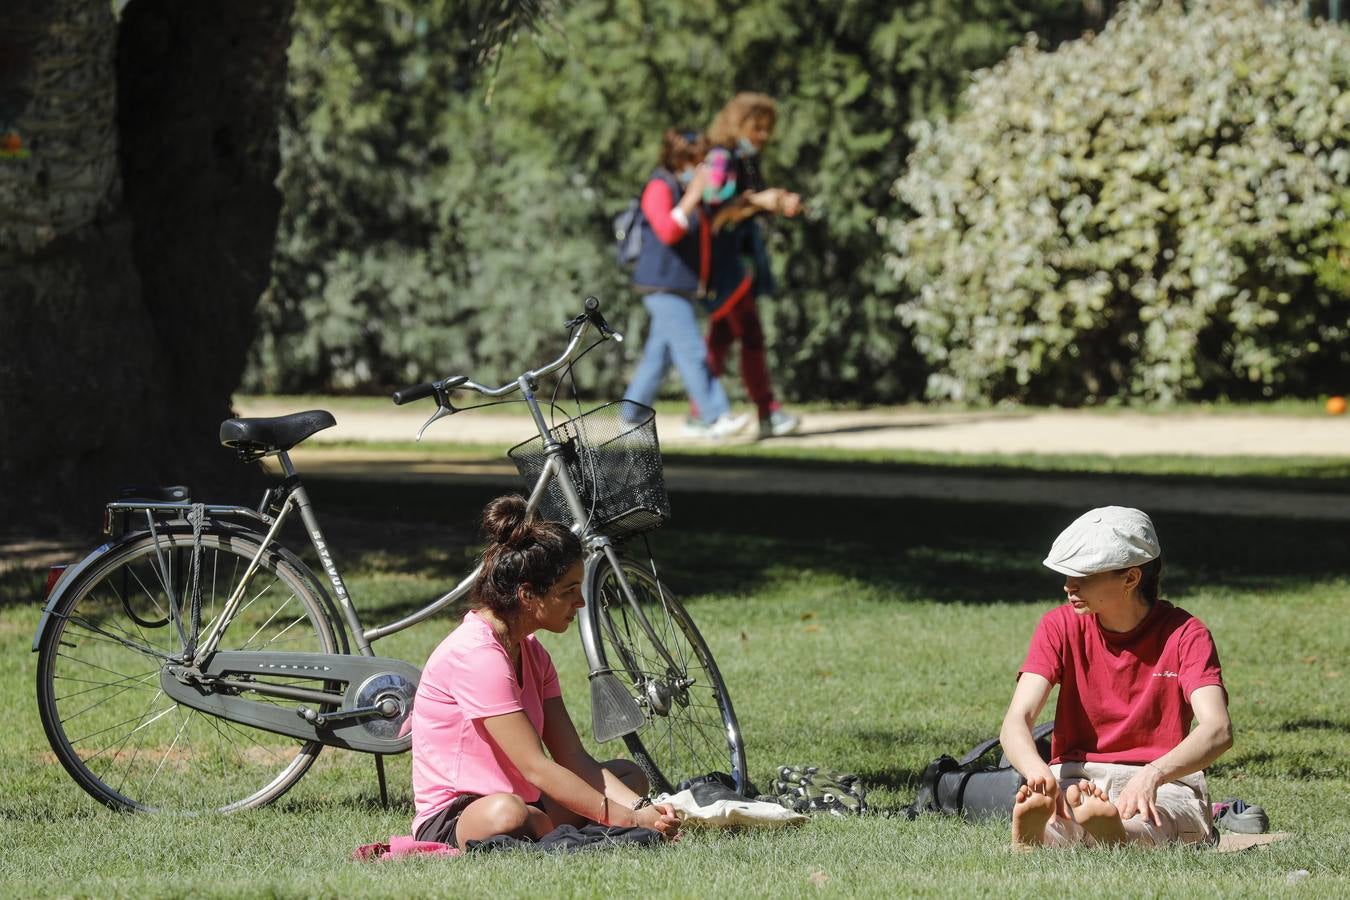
<point x="369" y="680"/>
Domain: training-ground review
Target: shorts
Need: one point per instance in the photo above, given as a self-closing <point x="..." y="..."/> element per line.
<point x="442" y="826"/>
<point x="1183" y="806"/>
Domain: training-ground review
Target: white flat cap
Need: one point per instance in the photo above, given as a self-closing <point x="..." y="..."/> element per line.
<point x="1103" y="540"/>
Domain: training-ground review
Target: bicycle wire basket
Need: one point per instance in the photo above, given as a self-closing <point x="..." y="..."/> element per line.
<point x="613" y="458"/>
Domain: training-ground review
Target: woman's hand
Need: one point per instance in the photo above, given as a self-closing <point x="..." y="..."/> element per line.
<point x="1140" y="796"/>
<point x="659" y="818"/>
<point x="776" y="200"/>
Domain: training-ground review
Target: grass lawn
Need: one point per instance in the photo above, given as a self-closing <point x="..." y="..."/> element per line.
<point x="870" y="636"/>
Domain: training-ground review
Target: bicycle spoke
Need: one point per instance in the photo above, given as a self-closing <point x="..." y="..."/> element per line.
<point x="114" y="639"/>
<point x="100" y="665"/>
<point x="139" y="719"/>
<point x="99" y="701"/>
<point x="689" y="728"/>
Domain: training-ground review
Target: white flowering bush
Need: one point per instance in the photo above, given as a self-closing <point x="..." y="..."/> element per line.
<point x="1140" y="214"/>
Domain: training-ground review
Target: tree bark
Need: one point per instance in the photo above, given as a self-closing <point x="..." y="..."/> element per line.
<point x="137" y="216"/>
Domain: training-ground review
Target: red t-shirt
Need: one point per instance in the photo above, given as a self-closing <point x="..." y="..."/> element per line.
<point x="1123" y="698"/>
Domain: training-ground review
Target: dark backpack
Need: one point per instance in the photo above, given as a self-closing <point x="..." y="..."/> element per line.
<point x="628" y="225"/>
<point x="628" y="234"/>
<point x="972" y="788"/>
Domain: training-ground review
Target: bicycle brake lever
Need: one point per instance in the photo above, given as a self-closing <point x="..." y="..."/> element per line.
<point x="440" y="413"/>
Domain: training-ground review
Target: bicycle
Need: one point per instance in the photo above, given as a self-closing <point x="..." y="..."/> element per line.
<point x="193" y="663"/>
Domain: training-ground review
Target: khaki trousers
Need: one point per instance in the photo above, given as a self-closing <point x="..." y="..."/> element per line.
<point x="1183" y="806"/>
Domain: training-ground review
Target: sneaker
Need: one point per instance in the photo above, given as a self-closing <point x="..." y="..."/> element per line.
<point x="1241" y="817"/>
<point x="778" y="424"/>
<point x="695" y="428"/>
<point x="727" y="425"/>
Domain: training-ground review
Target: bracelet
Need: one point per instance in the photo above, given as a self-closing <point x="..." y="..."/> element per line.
<point x="641" y="803"/>
<point x="1157" y="769"/>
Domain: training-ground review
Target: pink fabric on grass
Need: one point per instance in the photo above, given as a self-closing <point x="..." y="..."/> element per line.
<point x="401" y="846"/>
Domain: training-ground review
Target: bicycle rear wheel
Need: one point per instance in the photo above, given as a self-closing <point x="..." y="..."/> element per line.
<point x="691" y="726"/>
<point x="98" y="680"/>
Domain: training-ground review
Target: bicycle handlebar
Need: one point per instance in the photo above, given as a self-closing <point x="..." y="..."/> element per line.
<point x="415" y="392"/>
<point x="589" y="316"/>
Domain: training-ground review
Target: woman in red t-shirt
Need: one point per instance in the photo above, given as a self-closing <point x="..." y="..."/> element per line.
<point x="489" y="703"/>
<point x="1133" y="670"/>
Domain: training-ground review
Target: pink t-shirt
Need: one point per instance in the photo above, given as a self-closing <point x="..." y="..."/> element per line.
<point x="1123" y="698"/>
<point x="469" y="678"/>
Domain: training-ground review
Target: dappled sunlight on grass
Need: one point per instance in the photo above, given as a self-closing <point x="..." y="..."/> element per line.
<point x="862" y="635"/>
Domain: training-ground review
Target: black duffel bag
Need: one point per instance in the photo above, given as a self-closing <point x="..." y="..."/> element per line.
<point x="971" y="787"/>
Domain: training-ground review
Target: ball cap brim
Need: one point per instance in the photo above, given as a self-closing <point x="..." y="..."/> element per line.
<point x="1104" y="540"/>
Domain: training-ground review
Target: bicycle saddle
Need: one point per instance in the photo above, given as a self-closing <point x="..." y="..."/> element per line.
<point x="259" y="436"/>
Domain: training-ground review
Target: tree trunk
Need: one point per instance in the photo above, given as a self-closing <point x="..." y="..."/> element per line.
<point x="137" y="215"/>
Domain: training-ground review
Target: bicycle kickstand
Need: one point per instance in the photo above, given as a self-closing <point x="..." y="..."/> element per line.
<point x="379" y="773"/>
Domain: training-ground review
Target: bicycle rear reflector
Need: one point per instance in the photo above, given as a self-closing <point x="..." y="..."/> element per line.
<point x="54" y="574"/>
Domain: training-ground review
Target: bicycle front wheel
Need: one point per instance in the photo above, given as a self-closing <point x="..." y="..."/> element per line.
<point x="98" y="681"/>
<point x="691" y="727"/>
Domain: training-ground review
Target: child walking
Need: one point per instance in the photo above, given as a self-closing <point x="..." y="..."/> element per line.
<point x="741" y="197"/>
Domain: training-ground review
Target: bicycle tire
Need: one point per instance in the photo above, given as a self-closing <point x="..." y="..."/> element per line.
<point x="106" y="717"/>
<point x="691" y="730"/>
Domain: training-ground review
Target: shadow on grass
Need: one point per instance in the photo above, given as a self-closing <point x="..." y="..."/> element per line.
<point x="916" y="549"/>
<point x="908" y="549"/>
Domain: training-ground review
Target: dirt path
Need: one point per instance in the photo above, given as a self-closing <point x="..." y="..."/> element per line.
<point x="1047" y="432"/>
<point x="1040" y="432"/>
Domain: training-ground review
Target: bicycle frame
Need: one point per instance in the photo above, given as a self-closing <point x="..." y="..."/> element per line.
<point x="293" y="496"/>
<point x="203" y="608"/>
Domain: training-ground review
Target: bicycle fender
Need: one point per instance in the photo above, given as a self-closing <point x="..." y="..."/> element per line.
<point x="72" y="575"/>
<point x="63" y="584"/>
<point x="587" y="620"/>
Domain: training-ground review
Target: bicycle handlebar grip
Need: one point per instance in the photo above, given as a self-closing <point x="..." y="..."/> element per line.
<point x="598" y="320"/>
<point x="416" y="392"/>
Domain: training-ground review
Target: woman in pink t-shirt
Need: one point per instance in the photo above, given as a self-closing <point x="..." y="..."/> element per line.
<point x="489" y="703"/>
<point x="1133" y="671"/>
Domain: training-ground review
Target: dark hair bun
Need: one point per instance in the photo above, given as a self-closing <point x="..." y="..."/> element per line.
<point x="521" y="553"/>
<point x="504" y="520"/>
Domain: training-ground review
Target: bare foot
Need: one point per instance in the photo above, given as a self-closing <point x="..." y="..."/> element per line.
<point x="1098" y="815"/>
<point x="1030" y="814"/>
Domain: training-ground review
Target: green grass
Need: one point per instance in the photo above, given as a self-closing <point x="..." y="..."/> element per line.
<point x="863" y="635"/>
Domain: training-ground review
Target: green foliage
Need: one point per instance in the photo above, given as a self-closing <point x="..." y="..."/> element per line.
<point x="1333" y="269"/>
<point x="429" y="231"/>
<point x="1137" y="215"/>
<point x="415" y="235"/>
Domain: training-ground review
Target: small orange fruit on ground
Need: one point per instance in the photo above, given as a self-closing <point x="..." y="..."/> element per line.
<point x="1336" y="405"/>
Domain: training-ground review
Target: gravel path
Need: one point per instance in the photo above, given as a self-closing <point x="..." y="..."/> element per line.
<point x="1058" y="432"/>
<point x="1110" y="433"/>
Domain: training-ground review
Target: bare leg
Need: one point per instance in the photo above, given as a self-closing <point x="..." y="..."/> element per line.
<point x="500" y="814"/>
<point x="1098" y="815"/>
<point x="1030" y="814"/>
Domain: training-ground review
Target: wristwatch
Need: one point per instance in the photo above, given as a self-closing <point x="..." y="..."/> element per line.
<point x="641" y="803"/>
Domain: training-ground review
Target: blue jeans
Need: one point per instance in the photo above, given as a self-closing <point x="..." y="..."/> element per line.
<point x="675" y="336"/>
